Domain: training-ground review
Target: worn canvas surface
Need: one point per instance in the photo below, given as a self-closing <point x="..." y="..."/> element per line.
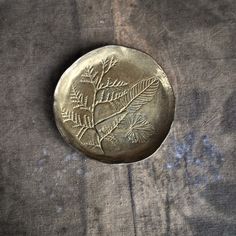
<point x="189" y="188"/>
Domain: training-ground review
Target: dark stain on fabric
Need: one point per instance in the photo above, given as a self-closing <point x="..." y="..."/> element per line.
<point x="130" y="184"/>
<point x="167" y="212"/>
<point x="201" y="14"/>
<point x="12" y="229"/>
<point x="62" y="231"/>
<point x="192" y="104"/>
<point x="229" y="114"/>
<point x="97" y="218"/>
<point x="83" y="198"/>
<point x="203" y="226"/>
<point x="221" y="195"/>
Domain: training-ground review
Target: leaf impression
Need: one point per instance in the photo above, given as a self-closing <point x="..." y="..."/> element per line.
<point x="138" y="129"/>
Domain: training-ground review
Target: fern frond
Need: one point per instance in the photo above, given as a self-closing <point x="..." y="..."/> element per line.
<point x="88" y="72"/>
<point x="108" y="63"/>
<point x="105" y="97"/>
<point x="76" y="119"/>
<point x="78" y="99"/>
<point x="91" y="145"/>
<point x="81" y="132"/>
<point x="89" y="75"/>
<point x="70" y="116"/>
<point x="112" y="84"/>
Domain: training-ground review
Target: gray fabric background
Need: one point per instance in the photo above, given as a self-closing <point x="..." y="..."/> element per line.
<point x="187" y="189"/>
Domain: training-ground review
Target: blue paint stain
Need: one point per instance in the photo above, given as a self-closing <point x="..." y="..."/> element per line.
<point x="71" y="157"/>
<point x="199" y="168"/>
<point x="210" y="150"/>
<point x="169" y="165"/>
<point x="184" y="149"/>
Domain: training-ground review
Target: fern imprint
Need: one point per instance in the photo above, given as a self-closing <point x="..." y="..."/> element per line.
<point x="93" y="129"/>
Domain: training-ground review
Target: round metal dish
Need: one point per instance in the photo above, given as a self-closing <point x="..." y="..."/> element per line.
<point x="115" y="104"/>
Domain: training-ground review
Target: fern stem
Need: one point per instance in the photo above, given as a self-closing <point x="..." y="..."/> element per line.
<point x="93" y="116"/>
<point x="113" y="128"/>
<point x="111" y="116"/>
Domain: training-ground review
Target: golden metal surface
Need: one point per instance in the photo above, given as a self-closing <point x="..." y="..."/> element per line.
<point x="115" y="104"/>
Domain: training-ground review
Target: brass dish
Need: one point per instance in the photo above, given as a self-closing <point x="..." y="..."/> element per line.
<point x="115" y="104"/>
